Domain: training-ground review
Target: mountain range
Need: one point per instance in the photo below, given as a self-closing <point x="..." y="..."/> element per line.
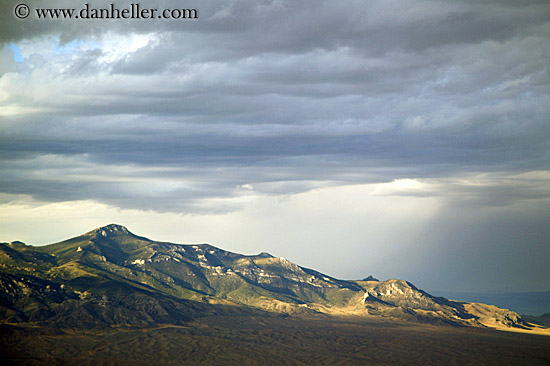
<point x="110" y="277"/>
<point x="528" y="303"/>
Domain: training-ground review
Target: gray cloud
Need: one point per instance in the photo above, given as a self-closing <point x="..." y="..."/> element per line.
<point x="282" y="97"/>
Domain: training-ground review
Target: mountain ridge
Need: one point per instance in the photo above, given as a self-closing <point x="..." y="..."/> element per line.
<point x="108" y="276"/>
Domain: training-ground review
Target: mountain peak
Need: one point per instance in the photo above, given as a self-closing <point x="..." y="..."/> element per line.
<point x="265" y="255"/>
<point x="371" y="278"/>
<point x="112" y="229"/>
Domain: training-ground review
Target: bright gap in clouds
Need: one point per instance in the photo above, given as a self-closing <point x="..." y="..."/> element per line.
<point x="17" y="56"/>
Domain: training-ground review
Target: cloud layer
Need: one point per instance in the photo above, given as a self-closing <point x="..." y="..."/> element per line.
<point x="277" y="98"/>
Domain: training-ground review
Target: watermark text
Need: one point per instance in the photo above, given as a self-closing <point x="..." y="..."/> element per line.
<point x="86" y="12"/>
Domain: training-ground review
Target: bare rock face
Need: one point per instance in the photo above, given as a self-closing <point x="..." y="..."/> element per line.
<point x="402" y="293"/>
<point x="110" y="230"/>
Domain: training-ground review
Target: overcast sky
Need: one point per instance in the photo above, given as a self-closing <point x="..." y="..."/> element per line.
<point x="403" y="139"/>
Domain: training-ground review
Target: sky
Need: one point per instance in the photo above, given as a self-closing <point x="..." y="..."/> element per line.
<point x="400" y="139"/>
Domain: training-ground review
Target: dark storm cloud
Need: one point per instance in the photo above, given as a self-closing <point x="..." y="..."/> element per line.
<point x="315" y="91"/>
<point x="447" y="100"/>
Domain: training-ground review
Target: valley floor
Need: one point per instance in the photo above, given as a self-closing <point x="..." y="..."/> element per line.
<point x="271" y="340"/>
